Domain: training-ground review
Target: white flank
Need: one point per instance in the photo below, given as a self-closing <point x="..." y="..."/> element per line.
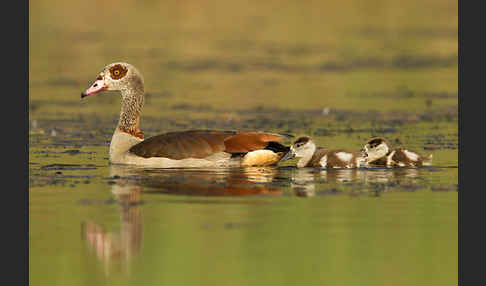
<point x="323" y="161"/>
<point x="345" y="157"/>
<point x="411" y="155"/>
<point x="160" y="162"/>
<point x="389" y="158"/>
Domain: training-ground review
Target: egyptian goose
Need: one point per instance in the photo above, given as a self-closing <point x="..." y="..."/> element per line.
<point x="377" y="152"/>
<point x="193" y="148"/>
<point x="312" y="156"/>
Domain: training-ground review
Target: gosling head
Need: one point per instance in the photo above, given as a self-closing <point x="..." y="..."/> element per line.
<point x="116" y="76"/>
<point x="303" y="147"/>
<point x="375" y="149"/>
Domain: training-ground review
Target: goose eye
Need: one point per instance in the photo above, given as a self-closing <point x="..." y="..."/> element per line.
<point x="118" y="71"/>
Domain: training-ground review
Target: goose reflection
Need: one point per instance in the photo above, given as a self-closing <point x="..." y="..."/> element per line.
<point x="116" y="249"/>
<point x="387" y="175"/>
<point x="306" y="182"/>
<point x="303" y="182"/>
<point x="203" y="182"/>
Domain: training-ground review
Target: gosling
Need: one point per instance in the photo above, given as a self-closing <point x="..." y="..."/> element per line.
<point x="319" y="157"/>
<point x="377" y="152"/>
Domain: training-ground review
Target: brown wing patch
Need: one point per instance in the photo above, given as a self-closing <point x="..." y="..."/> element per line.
<point x="181" y="145"/>
<point x="118" y="71"/>
<point x="202" y="143"/>
<point x="333" y="159"/>
<point x="401" y="157"/>
<point x="316" y="158"/>
<point x="246" y="141"/>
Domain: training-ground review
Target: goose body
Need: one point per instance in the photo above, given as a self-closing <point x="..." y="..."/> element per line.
<point x="192" y="148"/>
<point x="377" y="152"/>
<point x="318" y="157"/>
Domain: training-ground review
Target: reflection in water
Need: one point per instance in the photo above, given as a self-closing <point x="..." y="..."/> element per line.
<point x="202" y="182"/>
<point x="384" y="175"/>
<point x="303" y="180"/>
<point x="341" y="175"/>
<point x="117" y="248"/>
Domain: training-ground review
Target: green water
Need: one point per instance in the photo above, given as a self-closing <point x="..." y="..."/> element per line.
<point x="340" y="72"/>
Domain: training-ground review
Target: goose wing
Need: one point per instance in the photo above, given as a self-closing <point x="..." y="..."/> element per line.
<point x="203" y="143"/>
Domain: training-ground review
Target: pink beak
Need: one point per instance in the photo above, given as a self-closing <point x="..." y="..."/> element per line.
<point x="97" y="86"/>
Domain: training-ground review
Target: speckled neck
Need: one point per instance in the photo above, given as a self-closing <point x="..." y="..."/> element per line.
<point x="132" y="103"/>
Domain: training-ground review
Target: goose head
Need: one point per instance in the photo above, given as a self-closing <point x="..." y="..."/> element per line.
<point x="116" y="76"/>
<point x="375" y="148"/>
<point x="303" y="147"/>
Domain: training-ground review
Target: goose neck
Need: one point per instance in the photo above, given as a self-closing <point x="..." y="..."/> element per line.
<point x="132" y="103"/>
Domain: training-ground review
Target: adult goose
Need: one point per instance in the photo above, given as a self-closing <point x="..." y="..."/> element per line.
<point x="193" y="148"/>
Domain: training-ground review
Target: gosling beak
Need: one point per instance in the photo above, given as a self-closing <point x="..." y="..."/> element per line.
<point x="289" y="155"/>
<point x="97" y="86"/>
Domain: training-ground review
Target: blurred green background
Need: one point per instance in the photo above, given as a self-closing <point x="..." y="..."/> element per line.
<point x="279" y="54"/>
<point x="339" y="71"/>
